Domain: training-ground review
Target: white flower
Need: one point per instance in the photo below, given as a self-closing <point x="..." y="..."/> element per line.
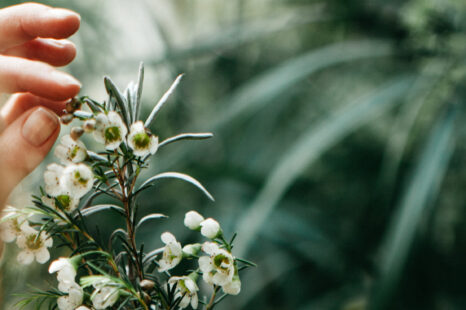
<point x="11" y="224"/>
<point x="192" y="249"/>
<point x="140" y="141"/>
<point x="77" y="179"/>
<point x="172" y="253"/>
<point x="233" y="287"/>
<point x="105" y="296"/>
<point x="193" y="220"/>
<point x="52" y="176"/>
<point x="33" y="246"/>
<point x="187" y="287"/>
<point x="70" y="151"/>
<point x="73" y="300"/>
<point x="110" y="130"/>
<point x="210" y="228"/>
<point x="82" y="308"/>
<point x="66" y="273"/>
<point x="68" y="202"/>
<point x="219" y="267"/>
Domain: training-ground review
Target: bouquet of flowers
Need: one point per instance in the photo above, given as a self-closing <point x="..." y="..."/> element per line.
<point x="117" y="274"/>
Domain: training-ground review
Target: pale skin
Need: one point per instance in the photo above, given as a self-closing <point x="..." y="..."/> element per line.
<point x="32" y="45"/>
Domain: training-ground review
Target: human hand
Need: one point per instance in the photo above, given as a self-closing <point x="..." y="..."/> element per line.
<point x="31" y="43"/>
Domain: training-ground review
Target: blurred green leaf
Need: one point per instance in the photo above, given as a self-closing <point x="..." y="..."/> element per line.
<point x="420" y="192"/>
<point x="312" y="144"/>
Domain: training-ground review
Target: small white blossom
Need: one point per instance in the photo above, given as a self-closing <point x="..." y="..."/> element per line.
<point x="82" y="308"/>
<point x="52" y="176"/>
<point x="68" y="202"/>
<point x="172" y="253"/>
<point x="33" y="246"/>
<point x="110" y="130"/>
<point x="70" y="151"/>
<point x="193" y="220"/>
<point x="73" y="300"/>
<point x="210" y="228"/>
<point x="140" y="141"/>
<point x="77" y="179"/>
<point x="66" y="273"/>
<point x="186" y="287"/>
<point x="219" y="267"/>
<point x="105" y="296"/>
<point x="11" y="224"/>
<point x="192" y="249"/>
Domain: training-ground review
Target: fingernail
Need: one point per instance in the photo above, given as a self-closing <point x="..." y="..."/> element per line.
<point x="63" y="13"/>
<point x="39" y="126"/>
<point x="65" y="78"/>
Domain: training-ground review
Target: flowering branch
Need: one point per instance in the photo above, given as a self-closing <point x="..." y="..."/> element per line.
<point x="123" y="275"/>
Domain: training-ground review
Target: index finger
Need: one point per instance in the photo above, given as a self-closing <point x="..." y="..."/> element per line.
<point x="24" y="22"/>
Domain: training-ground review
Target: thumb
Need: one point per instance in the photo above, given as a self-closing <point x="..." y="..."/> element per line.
<point x="23" y="146"/>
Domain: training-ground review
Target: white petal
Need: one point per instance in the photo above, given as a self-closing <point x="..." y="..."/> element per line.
<point x="205" y="264"/>
<point x="194" y="301"/>
<point x="233" y="287"/>
<point x="42" y="255"/>
<point x="25" y="257"/>
<point x="58" y="264"/>
<point x="168" y="237"/>
<point x="154" y="144"/>
<point x="210" y="248"/>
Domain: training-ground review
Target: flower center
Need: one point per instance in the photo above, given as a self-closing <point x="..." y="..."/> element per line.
<point x="112" y="134"/>
<point x="79" y="178"/>
<point x="33" y="242"/>
<point x="74" y="152"/>
<point x="141" y="140"/>
<point x="220" y="260"/>
<point x="64" y="201"/>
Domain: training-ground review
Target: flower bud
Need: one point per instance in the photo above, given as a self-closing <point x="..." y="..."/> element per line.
<point x="73" y="105"/>
<point x="193" y="220"/>
<point x="210" y="228"/>
<point x="66" y="118"/>
<point x="191" y="249"/>
<point x="76" y="133"/>
<point x="89" y="125"/>
<point x="147" y="285"/>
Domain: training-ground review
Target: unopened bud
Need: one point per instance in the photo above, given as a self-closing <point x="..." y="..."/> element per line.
<point x="66" y="118"/>
<point x="147" y="285"/>
<point x="89" y="125"/>
<point x="73" y="105"/>
<point x="76" y="133"/>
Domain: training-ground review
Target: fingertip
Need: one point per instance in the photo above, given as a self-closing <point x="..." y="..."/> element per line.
<point x="67" y="22"/>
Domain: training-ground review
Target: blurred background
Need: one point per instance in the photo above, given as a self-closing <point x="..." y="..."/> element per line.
<point x="339" y="153"/>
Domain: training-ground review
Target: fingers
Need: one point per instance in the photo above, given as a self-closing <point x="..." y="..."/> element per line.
<point x="24" y="144"/>
<point x="24" y="22"/>
<point x="19" y="75"/>
<point x="54" y="52"/>
<point x="20" y="103"/>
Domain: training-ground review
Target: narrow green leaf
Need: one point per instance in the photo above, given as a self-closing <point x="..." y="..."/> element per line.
<point x="422" y="189"/>
<point x="99" y="208"/>
<point x="120" y="100"/>
<point x="162" y="101"/>
<point x="138" y="92"/>
<point x="186" y="136"/>
<point x="312" y="144"/>
<point x="174" y="175"/>
<point x="150" y="217"/>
